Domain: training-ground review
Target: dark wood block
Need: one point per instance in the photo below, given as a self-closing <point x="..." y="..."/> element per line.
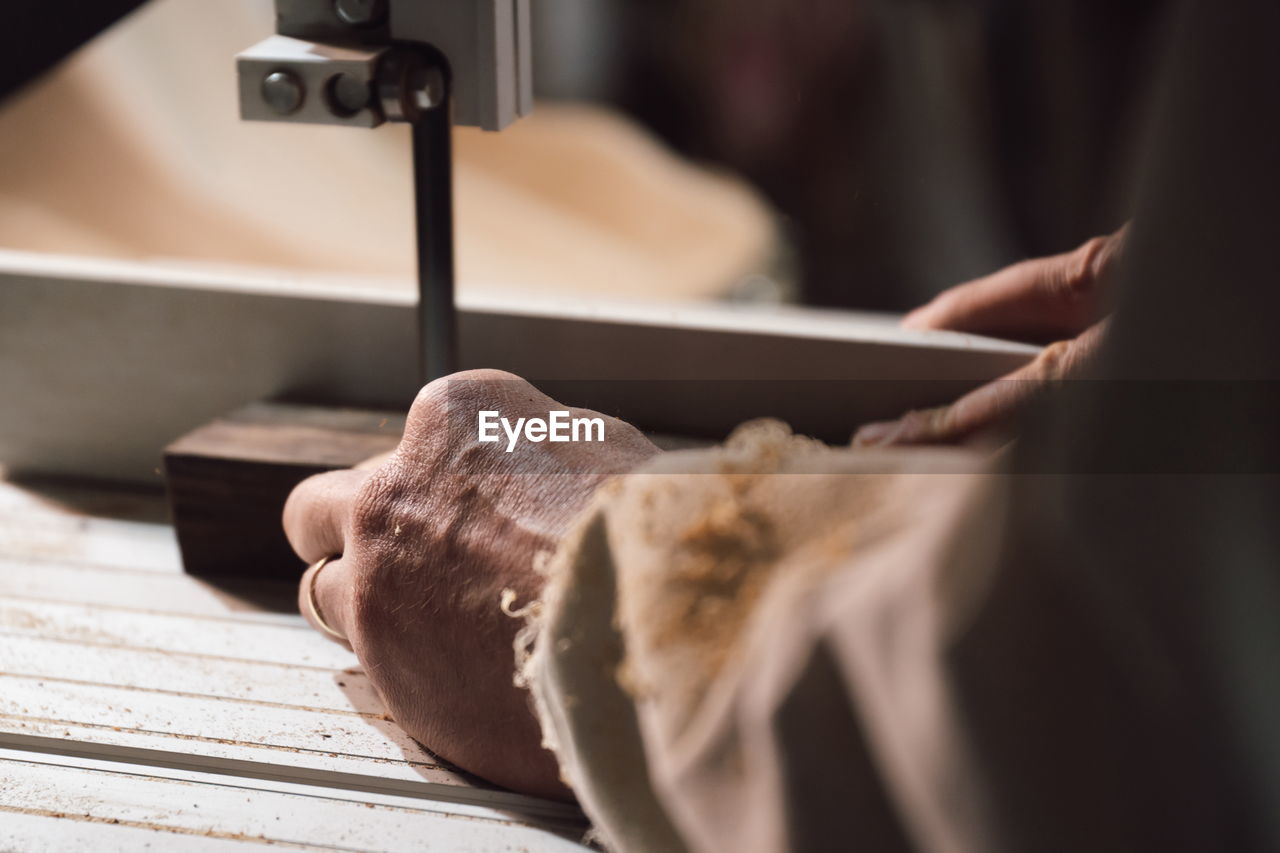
<point x="228" y="480"/>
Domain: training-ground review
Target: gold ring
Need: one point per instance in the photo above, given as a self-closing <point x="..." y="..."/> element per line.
<point x="314" y="606"/>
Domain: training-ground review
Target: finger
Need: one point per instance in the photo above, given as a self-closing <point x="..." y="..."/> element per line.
<point x="987" y="408"/>
<point x="324" y="599"/>
<point x="1043" y="299"/>
<point x="317" y="512"/>
<point x="448" y="406"/>
<point x="992" y="406"/>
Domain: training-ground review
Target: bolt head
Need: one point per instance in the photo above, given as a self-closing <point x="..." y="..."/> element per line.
<point x="425" y="87"/>
<point x="409" y="85"/>
<point x="347" y="94"/>
<point x="360" y="13"/>
<point x="283" y="92"/>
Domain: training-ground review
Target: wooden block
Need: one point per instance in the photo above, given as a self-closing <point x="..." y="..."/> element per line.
<point x="228" y="480"/>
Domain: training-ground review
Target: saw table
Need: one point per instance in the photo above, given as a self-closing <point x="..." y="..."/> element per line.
<point x="141" y="706"/>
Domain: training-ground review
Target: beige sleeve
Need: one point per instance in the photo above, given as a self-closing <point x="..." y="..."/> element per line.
<point x="705" y="626"/>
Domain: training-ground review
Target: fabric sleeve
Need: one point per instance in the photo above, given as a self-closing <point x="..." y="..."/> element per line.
<point x="709" y="586"/>
<point x="778" y="647"/>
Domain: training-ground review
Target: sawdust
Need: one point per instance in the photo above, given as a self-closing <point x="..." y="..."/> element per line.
<point x="714" y="568"/>
<point x="713" y="584"/>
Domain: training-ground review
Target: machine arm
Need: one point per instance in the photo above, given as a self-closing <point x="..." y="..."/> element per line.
<point x="431" y="63"/>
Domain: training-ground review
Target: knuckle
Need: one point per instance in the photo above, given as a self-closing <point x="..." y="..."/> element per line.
<point x="382" y="494"/>
<point x="296" y="504"/>
<point x="926" y="424"/>
<point x="1084" y="269"/>
<point x="431" y="398"/>
<point x="373" y="509"/>
<point x="299" y="492"/>
<point x="463" y="391"/>
<point x="946" y="305"/>
<point x="488" y="375"/>
<point x="438" y="405"/>
<point x="1056" y="360"/>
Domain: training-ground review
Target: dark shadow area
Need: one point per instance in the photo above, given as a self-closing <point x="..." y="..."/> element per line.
<point x="98" y="498"/>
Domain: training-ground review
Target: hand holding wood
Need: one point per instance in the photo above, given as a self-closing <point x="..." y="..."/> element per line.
<point x="1057" y="299"/>
<point x="425" y="543"/>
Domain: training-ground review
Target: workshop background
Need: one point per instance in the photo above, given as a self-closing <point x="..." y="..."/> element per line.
<point x="855" y="154"/>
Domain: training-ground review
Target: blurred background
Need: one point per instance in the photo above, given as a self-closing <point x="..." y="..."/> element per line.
<point x="851" y="153"/>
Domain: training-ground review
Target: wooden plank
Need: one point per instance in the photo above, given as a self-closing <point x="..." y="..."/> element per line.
<point x="229" y="479"/>
<point x="201" y="805"/>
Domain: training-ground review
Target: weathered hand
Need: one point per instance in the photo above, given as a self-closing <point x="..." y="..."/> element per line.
<point x="1055" y="299"/>
<point x="427" y="542"/>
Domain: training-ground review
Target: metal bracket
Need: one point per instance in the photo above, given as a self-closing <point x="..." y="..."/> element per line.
<point x="327" y="53"/>
<point x="285" y="79"/>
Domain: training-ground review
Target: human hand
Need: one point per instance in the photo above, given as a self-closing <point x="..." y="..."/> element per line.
<point x="1056" y="299"/>
<point x="427" y="542"/>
